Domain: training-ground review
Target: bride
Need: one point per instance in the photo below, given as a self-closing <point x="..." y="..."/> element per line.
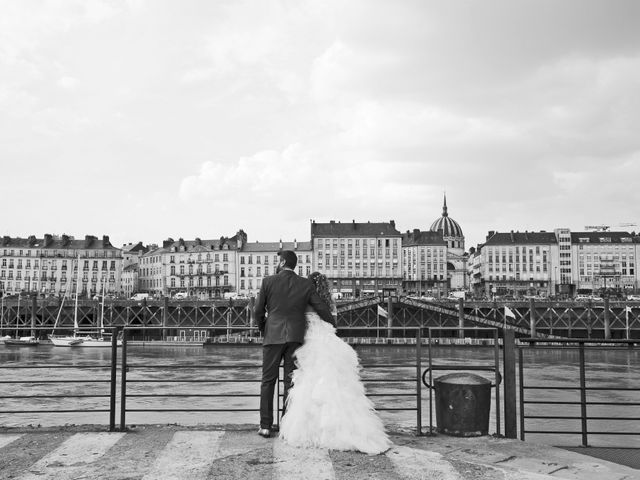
<point x="327" y="406"/>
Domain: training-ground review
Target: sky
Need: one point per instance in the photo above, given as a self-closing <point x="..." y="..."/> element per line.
<point x="145" y="120"/>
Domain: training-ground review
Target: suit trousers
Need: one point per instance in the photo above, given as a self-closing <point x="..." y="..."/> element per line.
<point x="271" y="357"/>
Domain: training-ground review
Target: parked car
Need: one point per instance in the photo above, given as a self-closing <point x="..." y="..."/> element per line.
<point x="582" y="298"/>
<point x="180" y="295"/>
<point x="633" y="298"/>
<point x="140" y="296"/>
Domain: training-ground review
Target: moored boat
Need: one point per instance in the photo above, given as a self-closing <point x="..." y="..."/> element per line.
<point x="22" y="341"/>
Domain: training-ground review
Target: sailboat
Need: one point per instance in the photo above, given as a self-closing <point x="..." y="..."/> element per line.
<point x="21" y="341"/>
<point x="78" y="339"/>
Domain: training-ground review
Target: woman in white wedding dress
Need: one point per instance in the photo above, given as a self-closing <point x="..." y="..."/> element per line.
<point x="327" y="406"/>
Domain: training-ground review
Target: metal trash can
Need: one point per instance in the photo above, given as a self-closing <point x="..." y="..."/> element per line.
<point x="463" y="401"/>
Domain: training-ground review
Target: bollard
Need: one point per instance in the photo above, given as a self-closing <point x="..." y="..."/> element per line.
<point x="463" y="402"/>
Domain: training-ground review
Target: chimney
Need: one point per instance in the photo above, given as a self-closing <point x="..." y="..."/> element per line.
<point x="88" y="240"/>
<point x="47" y="239"/>
<point x="295" y="244"/>
<point x="105" y="241"/>
<point x="393" y="223"/>
<point x="332" y="221"/>
<point x="416" y="232"/>
<point x="32" y="240"/>
<point x="281" y="243"/>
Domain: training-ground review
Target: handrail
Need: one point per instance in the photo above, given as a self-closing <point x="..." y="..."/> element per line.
<point x="582" y="387"/>
<point x="495" y="368"/>
<point x="111" y="366"/>
<point x="128" y="367"/>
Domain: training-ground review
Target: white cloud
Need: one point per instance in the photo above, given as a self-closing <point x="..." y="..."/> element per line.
<point x="68" y="83"/>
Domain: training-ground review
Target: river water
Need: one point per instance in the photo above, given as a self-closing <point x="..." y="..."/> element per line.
<point x="619" y="368"/>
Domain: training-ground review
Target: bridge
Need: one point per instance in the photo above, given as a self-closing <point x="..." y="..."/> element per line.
<point x="607" y="320"/>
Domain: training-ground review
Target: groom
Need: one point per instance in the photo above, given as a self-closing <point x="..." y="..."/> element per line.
<point x="279" y="313"/>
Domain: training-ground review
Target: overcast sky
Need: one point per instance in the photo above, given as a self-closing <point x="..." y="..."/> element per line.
<point x="144" y="120"/>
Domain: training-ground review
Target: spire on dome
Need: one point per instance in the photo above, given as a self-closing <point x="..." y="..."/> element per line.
<point x="444" y="207"/>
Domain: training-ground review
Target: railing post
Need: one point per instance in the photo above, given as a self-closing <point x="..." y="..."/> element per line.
<point x="34" y="307"/>
<point x="165" y="317"/>
<point x="607" y="324"/>
<point x="461" y="318"/>
<point x="509" y="359"/>
<point x="389" y="318"/>
<point x="583" y="396"/>
<point x="532" y="317"/>
<point x="521" y="376"/>
<point x="112" y="384"/>
<point x="123" y="386"/>
<point x="419" y="381"/>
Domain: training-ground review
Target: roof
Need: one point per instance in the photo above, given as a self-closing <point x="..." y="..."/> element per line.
<point x="198" y="244"/>
<point x="604" y="237"/>
<point x="131" y="268"/>
<point x="521" y="238"/>
<point x="58" y="242"/>
<point x="416" y="237"/>
<point x="275" y="246"/>
<point x="354" y="229"/>
<point x="133" y="248"/>
<point x="449" y="227"/>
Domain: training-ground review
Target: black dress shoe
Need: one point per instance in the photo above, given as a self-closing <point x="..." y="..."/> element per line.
<point x="264" y="432"/>
<point x="275" y="428"/>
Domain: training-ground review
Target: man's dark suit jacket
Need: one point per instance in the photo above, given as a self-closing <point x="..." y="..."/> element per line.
<point x="285" y="297"/>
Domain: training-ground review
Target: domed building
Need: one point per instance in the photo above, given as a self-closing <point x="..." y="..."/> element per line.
<point x="456" y="256"/>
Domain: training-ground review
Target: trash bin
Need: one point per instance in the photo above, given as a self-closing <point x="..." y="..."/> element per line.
<point x="463" y="401"/>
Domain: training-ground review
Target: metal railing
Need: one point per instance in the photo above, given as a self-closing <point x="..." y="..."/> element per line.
<point x="111" y="380"/>
<point x="580" y="386"/>
<point x="495" y="368"/>
<point x="128" y="366"/>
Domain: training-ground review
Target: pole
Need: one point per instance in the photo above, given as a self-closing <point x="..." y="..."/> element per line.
<point x="34" y="306"/>
<point x="460" y="318"/>
<point x="532" y="317"/>
<point x="509" y="356"/>
<point x="607" y="325"/>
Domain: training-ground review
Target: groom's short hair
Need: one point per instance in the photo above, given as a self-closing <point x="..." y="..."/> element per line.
<point x="290" y="258"/>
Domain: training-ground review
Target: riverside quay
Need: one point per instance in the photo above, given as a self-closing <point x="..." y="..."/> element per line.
<point x="172" y="318"/>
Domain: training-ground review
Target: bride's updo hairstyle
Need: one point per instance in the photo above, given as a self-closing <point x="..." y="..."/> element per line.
<point x="321" y="284"/>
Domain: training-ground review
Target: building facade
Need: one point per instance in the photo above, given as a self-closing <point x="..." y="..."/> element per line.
<point x="59" y="266"/>
<point x="424" y="263"/>
<point x="196" y="268"/>
<point x="559" y="263"/>
<point x="258" y="260"/>
<point x="604" y="262"/>
<point x="516" y="264"/>
<point x="358" y="258"/>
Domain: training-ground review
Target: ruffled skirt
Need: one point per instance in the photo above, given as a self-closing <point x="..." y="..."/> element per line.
<point x="327" y="406"/>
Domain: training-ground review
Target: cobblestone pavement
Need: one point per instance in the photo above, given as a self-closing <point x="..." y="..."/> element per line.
<point x="173" y="452"/>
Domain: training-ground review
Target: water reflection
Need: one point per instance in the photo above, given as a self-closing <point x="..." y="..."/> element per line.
<point x="619" y="368"/>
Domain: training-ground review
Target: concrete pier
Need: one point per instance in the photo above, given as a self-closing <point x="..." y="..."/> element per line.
<point x="237" y="452"/>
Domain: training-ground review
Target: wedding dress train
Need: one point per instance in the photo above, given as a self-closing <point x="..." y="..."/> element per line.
<point x="327" y="406"/>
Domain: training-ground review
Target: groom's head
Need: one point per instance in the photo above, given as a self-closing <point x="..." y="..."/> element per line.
<point x="288" y="259"/>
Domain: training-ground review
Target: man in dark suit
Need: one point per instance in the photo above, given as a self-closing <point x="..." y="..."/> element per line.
<point x="279" y="313"/>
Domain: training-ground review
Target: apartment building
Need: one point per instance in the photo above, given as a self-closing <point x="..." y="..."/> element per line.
<point x="424" y="263"/>
<point x="258" y="260"/>
<point x="358" y="258"/>
<point x="201" y="268"/>
<point x="59" y="265"/>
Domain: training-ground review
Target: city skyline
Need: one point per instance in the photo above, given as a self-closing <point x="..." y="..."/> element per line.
<point x="148" y="120"/>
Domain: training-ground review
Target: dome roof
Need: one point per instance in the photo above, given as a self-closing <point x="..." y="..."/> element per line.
<point x="449" y="227"/>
